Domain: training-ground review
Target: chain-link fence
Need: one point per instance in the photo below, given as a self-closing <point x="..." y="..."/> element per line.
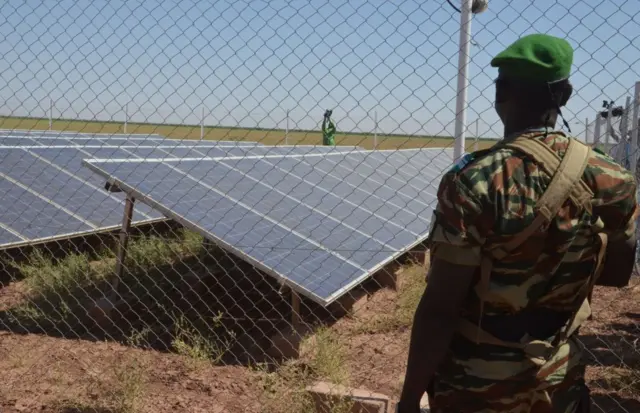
<point x="176" y="237"/>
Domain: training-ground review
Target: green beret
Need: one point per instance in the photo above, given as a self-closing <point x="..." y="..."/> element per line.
<point x="536" y="58"/>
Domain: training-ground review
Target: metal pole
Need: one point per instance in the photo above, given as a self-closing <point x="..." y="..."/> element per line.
<point x="295" y="307"/>
<point x="475" y="144"/>
<point x="126" y="115"/>
<point x="124" y="241"/>
<point x="202" y="125"/>
<point x="634" y="127"/>
<point x="375" y="129"/>
<point x="624" y="119"/>
<point x="624" y="132"/>
<point x="463" y="70"/>
<point x="286" y="131"/>
<point x="586" y="130"/>
<point x="596" y="130"/>
<point x="50" y="114"/>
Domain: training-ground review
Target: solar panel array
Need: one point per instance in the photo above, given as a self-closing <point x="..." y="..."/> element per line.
<point x="47" y="194"/>
<point x="321" y="223"/>
<point x="26" y="137"/>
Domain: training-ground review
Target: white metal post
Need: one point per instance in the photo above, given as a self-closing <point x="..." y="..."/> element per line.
<point x="596" y="130"/>
<point x="624" y="132"/>
<point x="126" y="116"/>
<point x="475" y="144"/>
<point x="634" y="127"/>
<point x="50" y="114"/>
<point x="202" y="125"/>
<point x="286" y="130"/>
<point x="586" y="130"/>
<point x="375" y="129"/>
<point x="463" y="70"/>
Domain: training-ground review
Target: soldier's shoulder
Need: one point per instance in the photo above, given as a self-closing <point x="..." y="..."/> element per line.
<point x="605" y="176"/>
<point x="478" y="169"/>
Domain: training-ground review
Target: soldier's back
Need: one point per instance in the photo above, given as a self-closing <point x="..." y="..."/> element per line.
<point x="488" y="201"/>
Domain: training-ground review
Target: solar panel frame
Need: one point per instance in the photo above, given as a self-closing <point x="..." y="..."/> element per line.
<point x="150" y="199"/>
<point x="41" y="155"/>
<point x="6" y="134"/>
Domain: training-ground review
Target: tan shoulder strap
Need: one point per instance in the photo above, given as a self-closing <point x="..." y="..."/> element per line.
<point x="566" y="183"/>
<point x="576" y="154"/>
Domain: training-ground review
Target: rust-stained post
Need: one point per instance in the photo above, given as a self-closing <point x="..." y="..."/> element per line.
<point x="124" y="241"/>
<point x="295" y="309"/>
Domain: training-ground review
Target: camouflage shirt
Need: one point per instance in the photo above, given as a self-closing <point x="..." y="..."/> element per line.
<point x="480" y="205"/>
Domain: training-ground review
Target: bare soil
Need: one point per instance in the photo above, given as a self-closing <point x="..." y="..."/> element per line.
<point x="58" y="372"/>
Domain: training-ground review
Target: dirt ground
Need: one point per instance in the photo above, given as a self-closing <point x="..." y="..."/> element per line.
<point x="66" y="374"/>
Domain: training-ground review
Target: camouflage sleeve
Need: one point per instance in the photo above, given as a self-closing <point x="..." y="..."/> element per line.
<point x="615" y="200"/>
<point x="454" y="235"/>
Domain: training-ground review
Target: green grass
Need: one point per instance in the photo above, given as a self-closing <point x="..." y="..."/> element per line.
<point x="151" y="251"/>
<point x="264" y="136"/>
<point x="54" y="287"/>
<point x="327" y="357"/>
<point x="196" y="347"/>
<point x="130" y="380"/>
<point x="45" y="275"/>
<point x="323" y="358"/>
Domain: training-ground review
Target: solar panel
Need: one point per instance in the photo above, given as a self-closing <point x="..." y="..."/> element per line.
<point x="321" y="223"/>
<point x="53" y="141"/>
<point x="52" y="134"/>
<point x="48" y="194"/>
<point x="21" y="137"/>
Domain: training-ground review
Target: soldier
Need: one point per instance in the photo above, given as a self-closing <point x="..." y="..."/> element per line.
<point x="328" y="129"/>
<point x="519" y="237"/>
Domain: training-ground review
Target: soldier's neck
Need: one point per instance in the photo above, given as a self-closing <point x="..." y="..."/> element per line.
<point x="511" y="129"/>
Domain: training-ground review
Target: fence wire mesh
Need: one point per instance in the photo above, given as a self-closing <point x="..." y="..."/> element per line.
<point x="259" y="262"/>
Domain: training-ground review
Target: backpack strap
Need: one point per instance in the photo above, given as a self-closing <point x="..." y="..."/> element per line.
<point x="566" y="183"/>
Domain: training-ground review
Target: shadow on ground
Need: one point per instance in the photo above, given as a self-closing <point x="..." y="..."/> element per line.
<point x="614" y="345"/>
<point x="216" y="306"/>
<point x="613" y="403"/>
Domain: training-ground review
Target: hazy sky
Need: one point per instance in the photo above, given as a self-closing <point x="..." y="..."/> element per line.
<point x="248" y="62"/>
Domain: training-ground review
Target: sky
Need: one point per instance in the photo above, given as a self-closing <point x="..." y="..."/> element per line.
<point x="250" y="63"/>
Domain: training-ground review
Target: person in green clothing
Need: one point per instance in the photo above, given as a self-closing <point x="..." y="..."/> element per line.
<point x="328" y="129"/>
<point x="520" y="234"/>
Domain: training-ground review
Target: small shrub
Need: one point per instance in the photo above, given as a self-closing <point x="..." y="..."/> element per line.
<point x="189" y="342"/>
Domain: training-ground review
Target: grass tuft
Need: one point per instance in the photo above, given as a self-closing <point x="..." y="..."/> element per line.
<point x="283" y="390"/>
<point x="130" y="384"/>
<point x="621" y="379"/>
<point x="327" y="357"/>
<point x="45" y="275"/>
<point x="191" y="343"/>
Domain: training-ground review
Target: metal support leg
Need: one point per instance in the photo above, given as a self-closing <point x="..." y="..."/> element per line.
<point x="103" y="308"/>
<point x="295" y="307"/>
<point x="124" y="241"/>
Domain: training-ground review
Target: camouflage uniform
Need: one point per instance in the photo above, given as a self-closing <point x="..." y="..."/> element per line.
<point x="328" y="133"/>
<point x="480" y="205"/>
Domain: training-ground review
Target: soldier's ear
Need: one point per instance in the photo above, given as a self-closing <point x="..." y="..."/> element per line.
<point x="503" y="90"/>
<point x="565" y="93"/>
